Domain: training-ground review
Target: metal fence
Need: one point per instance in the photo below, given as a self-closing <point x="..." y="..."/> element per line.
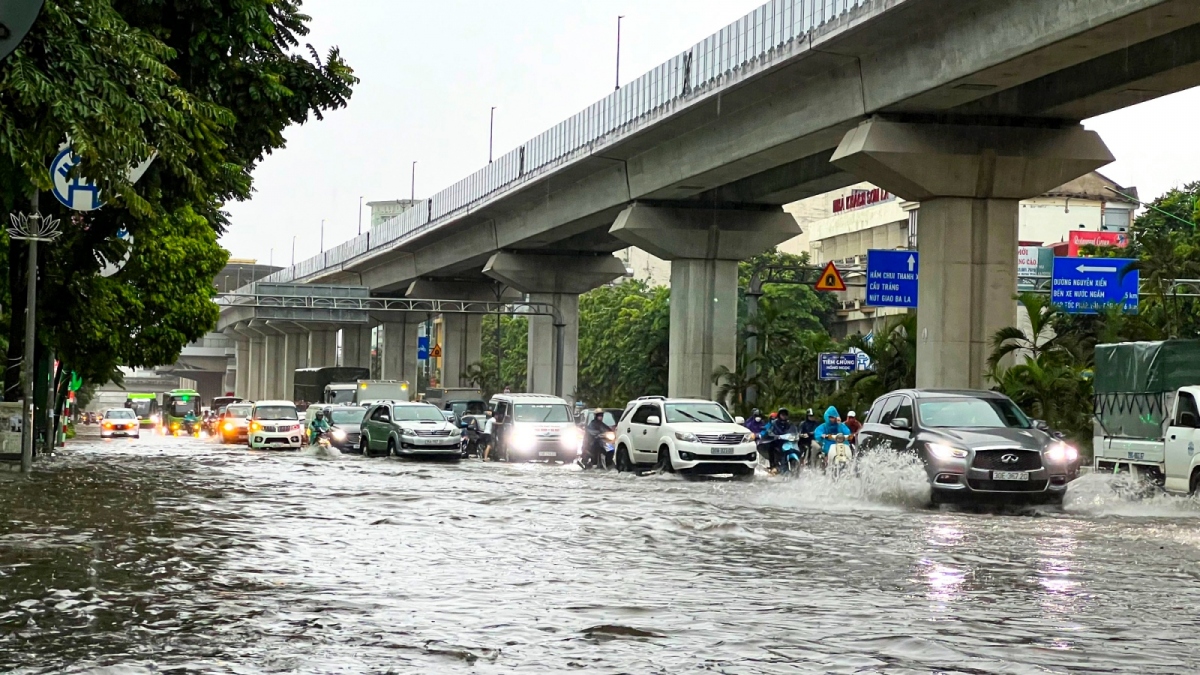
<point x="754" y="39"/>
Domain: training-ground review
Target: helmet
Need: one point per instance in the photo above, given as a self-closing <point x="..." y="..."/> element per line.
<point x="784" y="411"/>
<point x="755" y="413"/>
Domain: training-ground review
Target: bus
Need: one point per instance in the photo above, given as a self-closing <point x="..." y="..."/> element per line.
<point x="176" y="404"/>
<point x="145" y="406"/>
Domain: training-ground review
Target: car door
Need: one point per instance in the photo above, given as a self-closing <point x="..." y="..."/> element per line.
<point x="1182" y="441"/>
<point x="377" y="424"/>
<point x="873" y="435"/>
<point x="647" y="440"/>
<point x="500" y="423"/>
<point x="901" y="439"/>
<point x="637" y="427"/>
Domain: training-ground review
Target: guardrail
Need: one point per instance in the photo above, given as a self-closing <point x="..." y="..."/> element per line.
<point x="757" y="39"/>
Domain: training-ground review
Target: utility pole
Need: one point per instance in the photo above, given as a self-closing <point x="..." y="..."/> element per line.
<point x="618" y="87"/>
<point x="322" y="235"/>
<point x="293" y="250"/>
<point x="360" y="200"/>
<point x="491" y="133"/>
<point x="413" y="195"/>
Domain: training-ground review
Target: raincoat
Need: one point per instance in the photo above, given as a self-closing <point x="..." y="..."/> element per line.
<point x="824" y="434"/>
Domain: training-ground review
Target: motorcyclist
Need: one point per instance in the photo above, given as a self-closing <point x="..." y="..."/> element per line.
<point x="594" y="438"/>
<point x="756" y="423"/>
<point x="807" y="427"/>
<point x="853" y="425"/>
<point x="319" y="426"/>
<point x="782" y="424"/>
<point x="189" y="421"/>
<point x="833" y="426"/>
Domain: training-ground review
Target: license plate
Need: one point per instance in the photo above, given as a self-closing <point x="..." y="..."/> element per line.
<point x="1010" y="475"/>
<point x="547" y="453"/>
<point x="722" y="451"/>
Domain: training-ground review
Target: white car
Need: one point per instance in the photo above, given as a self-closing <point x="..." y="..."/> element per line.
<point x="403" y="429"/>
<point x="275" y="425"/>
<point x="121" y="422"/>
<point x="685" y="435"/>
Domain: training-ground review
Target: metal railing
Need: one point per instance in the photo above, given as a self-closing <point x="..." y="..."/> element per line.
<point x="765" y="36"/>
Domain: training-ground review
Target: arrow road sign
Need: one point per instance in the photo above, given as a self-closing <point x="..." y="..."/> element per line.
<point x="423" y="348"/>
<point x="1087" y="285"/>
<point x="892" y="278"/>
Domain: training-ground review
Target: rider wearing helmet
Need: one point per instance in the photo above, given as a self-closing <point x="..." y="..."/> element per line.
<point x="782" y="424"/>
<point x="756" y="423"/>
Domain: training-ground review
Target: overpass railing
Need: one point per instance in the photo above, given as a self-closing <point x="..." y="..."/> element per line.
<point x="758" y="39"/>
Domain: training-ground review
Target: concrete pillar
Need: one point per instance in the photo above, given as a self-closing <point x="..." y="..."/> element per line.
<point x="462" y="342"/>
<point x="704" y="246"/>
<point x="356" y="346"/>
<point x="400" y="348"/>
<point x="274" y="371"/>
<point x="241" y="382"/>
<point x="322" y="348"/>
<point x="296" y="350"/>
<point x="254" y="372"/>
<point x="558" y="279"/>
<point x="969" y="180"/>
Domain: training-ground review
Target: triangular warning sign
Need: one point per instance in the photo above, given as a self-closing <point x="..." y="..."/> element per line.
<point x="436" y="352"/>
<point x="831" y="279"/>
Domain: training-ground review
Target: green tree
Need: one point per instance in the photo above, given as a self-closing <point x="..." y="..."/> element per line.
<point x="624" y="342"/>
<point x="514" y="341"/>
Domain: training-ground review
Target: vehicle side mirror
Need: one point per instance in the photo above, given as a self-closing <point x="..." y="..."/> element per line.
<point x="653" y="420"/>
<point x="1188" y="419"/>
<point x="1041" y="425"/>
<point x="739" y="420"/>
<point x="901" y="424"/>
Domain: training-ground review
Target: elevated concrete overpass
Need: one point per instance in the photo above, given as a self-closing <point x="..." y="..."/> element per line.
<point x="964" y="105"/>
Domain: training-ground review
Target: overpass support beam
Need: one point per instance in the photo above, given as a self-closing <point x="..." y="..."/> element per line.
<point x="399" y="360"/>
<point x="241" y="379"/>
<point x="322" y="348"/>
<point x="558" y="280"/>
<point x="356" y="346"/>
<point x="257" y="352"/>
<point x="296" y="350"/>
<point x="462" y="345"/>
<point x="275" y="360"/>
<point x="970" y="180"/>
<point x="704" y="246"/>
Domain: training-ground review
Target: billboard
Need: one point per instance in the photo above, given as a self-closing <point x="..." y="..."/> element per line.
<point x="1080" y="238"/>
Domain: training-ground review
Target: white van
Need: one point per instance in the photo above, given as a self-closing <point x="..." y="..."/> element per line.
<point x="535" y="427"/>
<point x="275" y="425"/>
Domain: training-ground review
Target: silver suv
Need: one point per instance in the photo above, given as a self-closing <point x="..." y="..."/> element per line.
<point x="403" y="429"/>
<point x="535" y="427"/>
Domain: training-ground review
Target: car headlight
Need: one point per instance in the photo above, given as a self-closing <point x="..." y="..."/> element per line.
<point x="524" y="439"/>
<point x="229" y="426"/>
<point x="571" y="438"/>
<point x="338" y="435"/>
<point x="1061" y="452"/>
<point x="748" y="439"/>
<point x="685" y="436"/>
<point x="610" y="436"/>
<point x="945" y="451"/>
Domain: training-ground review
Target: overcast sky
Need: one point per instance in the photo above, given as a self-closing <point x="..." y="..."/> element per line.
<point x="431" y="71"/>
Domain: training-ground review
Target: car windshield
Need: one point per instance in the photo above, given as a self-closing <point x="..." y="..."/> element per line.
<point x="240" y="411"/>
<point x="468" y="407"/>
<point x="344" y="395"/>
<point x="541" y="412"/>
<point x="120" y="415"/>
<point x="348" y="415"/>
<point x="972" y="412"/>
<point x="416" y="413"/>
<point x="275" y="412"/>
<point x="140" y="408"/>
<point x="180" y="408"/>
<point x="683" y="413"/>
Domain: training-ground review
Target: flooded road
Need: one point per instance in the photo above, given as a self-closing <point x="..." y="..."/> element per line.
<point x="180" y="555"/>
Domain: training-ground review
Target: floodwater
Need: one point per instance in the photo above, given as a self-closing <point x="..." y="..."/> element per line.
<point x="184" y="556"/>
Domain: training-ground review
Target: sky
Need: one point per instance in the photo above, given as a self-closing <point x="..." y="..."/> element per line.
<point x="431" y="71"/>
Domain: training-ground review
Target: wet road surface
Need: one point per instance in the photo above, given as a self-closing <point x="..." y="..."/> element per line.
<point x="184" y="556"/>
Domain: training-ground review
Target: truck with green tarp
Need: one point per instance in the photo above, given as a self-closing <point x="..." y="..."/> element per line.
<point x="1146" y="416"/>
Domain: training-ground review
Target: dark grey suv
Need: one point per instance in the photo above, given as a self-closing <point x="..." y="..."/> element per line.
<point x="976" y="445"/>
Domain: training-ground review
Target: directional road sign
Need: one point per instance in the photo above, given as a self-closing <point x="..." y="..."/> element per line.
<point x="1087" y="285"/>
<point x="835" y="366"/>
<point x="423" y="348"/>
<point x="831" y="279"/>
<point x="892" y="278"/>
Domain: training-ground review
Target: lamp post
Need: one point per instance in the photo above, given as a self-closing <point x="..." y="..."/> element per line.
<point x="293" y="250"/>
<point x="322" y="235"/>
<point x="618" y="87"/>
<point x="491" y="133"/>
<point x="360" y="200"/>
<point x="413" y="196"/>
<point x="32" y="228"/>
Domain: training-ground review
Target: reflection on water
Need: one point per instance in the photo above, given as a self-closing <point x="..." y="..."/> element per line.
<point x="180" y="555"/>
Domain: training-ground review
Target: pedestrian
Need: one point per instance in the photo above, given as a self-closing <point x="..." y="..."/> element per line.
<point x="485" y="437"/>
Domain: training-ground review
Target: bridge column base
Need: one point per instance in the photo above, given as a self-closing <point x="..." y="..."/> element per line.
<point x="241" y="378"/>
<point x="399" y="360"/>
<point x="296" y="350"/>
<point x="356" y="346"/>
<point x="274" y="370"/>
<point x="462" y="345"/>
<point x="704" y="246"/>
<point x="322" y="348"/>
<point x="969" y="179"/>
<point x="559" y="280"/>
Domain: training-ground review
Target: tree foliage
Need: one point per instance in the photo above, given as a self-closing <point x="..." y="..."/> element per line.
<point x="514" y="342"/>
<point x="624" y="341"/>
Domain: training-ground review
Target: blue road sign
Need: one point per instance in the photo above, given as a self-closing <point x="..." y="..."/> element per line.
<point x="892" y="278"/>
<point x="1087" y="285"/>
<point x="76" y="193"/>
<point x="423" y="348"/>
<point x="835" y="366"/>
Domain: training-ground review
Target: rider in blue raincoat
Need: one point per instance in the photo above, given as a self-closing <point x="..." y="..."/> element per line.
<point x="833" y="426"/>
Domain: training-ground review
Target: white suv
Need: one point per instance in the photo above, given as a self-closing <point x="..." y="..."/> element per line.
<point x="275" y="424"/>
<point x="685" y="435"/>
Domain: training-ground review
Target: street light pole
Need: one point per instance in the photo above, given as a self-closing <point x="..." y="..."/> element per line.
<point x="413" y="196"/>
<point x="491" y="133"/>
<point x="322" y="235"/>
<point x="618" y="87"/>
<point x="293" y="250"/>
<point x="360" y="200"/>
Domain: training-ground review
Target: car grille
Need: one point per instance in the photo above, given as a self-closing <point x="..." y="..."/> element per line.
<point x="720" y="439"/>
<point x="1007" y="485"/>
<point x="728" y="458"/>
<point x="1027" y="460"/>
<point x="421" y="432"/>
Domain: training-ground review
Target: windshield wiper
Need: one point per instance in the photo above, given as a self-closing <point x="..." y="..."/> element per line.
<point x="684" y="413"/>
<point x="706" y="414"/>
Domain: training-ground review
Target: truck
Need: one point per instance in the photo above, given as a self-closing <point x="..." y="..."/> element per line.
<point x="1145" y="411"/>
<point x="369" y="391"/>
<point x="311" y="384"/>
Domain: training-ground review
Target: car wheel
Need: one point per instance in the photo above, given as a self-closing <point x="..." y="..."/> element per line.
<point x="363" y="448"/>
<point x="936" y="498"/>
<point x="623" y="463"/>
<point x="391" y="451"/>
<point x="664" y="461"/>
<point x="1194" y="483"/>
<point x="744" y="473"/>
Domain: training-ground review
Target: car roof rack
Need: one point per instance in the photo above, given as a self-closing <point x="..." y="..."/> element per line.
<point x="652" y="398"/>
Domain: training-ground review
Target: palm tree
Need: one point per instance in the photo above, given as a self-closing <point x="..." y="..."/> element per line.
<point x="1041" y="338"/>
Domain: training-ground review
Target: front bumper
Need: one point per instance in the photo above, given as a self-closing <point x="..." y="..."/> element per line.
<point x="543" y="450"/>
<point x="950" y="477"/>
<point x="284" y="441"/>
<point x="714" y="459"/>
<point x="133" y="432"/>
<point x="430" y="445"/>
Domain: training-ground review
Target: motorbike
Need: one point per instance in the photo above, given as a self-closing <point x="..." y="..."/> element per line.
<point x="604" y="459"/>
<point x="790" y="453"/>
<point x="840" y="455"/>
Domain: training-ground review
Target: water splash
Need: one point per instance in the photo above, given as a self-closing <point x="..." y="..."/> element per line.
<point x="874" y="480"/>
<point x="321" y="452"/>
<point x="1106" y="494"/>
